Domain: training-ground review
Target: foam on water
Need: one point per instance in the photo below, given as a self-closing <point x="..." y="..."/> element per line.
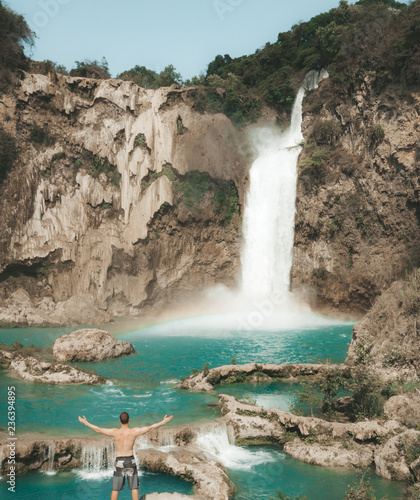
<point x="215" y="442"/>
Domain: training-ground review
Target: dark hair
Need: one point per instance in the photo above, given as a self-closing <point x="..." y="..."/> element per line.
<point x="124" y="418"/>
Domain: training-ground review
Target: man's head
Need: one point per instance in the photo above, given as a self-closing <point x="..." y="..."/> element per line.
<point x="124" y="418"/>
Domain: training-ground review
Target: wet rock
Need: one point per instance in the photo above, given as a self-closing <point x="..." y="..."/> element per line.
<point x="90" y="344"/>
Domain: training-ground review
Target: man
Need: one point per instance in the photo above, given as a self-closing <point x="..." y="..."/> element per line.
<point x="125" y="465"/>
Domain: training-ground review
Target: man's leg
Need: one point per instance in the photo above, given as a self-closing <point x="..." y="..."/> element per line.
<point x="114" y="495"/>
<point x="134" y="494"/>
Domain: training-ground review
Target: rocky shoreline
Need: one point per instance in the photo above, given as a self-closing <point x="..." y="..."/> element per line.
<point x="31" y="369"/>
<point x="254" y="373"/>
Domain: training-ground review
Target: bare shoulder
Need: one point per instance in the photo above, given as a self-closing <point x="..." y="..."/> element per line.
<point x="138" y="431"/>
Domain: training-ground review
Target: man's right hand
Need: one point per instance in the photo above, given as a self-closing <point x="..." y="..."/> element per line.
<point x="167" y="419"/>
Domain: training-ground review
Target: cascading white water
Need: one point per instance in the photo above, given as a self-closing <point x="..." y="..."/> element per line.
<point x="97" y="461"/>
<point x="51" y="455"/>
<point x="215" y="442"/>
<point x="270" y="209"/>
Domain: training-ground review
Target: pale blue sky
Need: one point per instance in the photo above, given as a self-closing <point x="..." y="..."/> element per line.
<point x="155" y="33"/>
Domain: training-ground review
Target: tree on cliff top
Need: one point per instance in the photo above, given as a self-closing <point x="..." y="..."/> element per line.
<point x="91" y="69"/>
<point x="14" y="35"/>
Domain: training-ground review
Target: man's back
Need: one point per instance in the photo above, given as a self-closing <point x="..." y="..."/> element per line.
<point x="124" y="441"/>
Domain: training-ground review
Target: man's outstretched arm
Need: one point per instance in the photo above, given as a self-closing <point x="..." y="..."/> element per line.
<point x="101" y="430"/>
<point x="144" y="430"/>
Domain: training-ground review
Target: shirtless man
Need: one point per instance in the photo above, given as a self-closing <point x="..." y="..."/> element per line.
<point x="125" y="465"/>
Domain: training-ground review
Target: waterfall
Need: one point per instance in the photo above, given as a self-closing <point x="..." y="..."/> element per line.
<point x="268" y="224"/>
<point x="51" y="454"/>
<point x="214" y="441"/>
<point x="97" y="460"/>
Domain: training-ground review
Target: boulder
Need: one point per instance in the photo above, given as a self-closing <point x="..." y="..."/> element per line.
<point x="33" y="370"/>
<point x="398" y="456"/>
<point x="90" y="344"/>
<point x="404" y="408"/>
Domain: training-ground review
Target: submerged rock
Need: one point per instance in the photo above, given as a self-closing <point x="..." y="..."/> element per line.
<point x="90" y="344"/>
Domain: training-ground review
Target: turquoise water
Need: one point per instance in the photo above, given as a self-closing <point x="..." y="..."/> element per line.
<point x="144" y="384"/>
<point x="70" y="486"/>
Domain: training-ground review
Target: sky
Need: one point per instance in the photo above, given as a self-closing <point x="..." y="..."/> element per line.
<point x="156" y="33"/>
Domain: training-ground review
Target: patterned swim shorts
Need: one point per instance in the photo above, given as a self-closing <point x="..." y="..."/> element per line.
<point x="125" y="467"/>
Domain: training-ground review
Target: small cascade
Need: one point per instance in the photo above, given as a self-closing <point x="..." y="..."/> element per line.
<point x="164" y="440"/>
<point x="51" y="454"/>
<point x="97" y="460"/>
<point x="215" y="442"/>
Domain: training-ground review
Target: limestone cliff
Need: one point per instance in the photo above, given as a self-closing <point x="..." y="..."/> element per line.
<point x="122" y="199"/>
<point x="358" y="204"/>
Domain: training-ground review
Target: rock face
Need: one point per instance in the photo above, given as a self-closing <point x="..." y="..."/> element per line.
<point x="90" y="344"/>
<point x="404" y="408"/>
<point x="121" y="194"/>
<point x="388" y="336"/>
<point x="33" y="370"/>
<point x="357" y="213"/>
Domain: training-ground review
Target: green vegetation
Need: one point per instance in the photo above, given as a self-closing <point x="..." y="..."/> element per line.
<point x="140" y="141"/>
<point x="8" y="153"/>
<point x="91" y="69"/>
<point x="229" y="96"/>
<point x="361" y="491"/>
<point x="326" y="131"/>
<point x="310" y="395"/>
<point x="51" y="65"/>
<point x="377" y="134"/>
<point x="147" y="78"/>
<point x="14" y="34"/>
<point x="314" y="168"/>
<point x="192" y="188"/>
<point x="41" y="135"/>
<point x="58" y="156"/>
<point x="95" y="166"/>
<point x="226" y="201"/>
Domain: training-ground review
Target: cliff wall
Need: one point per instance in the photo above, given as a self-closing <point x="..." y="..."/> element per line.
<point x="358" y="208"/>
<point x="121" y="200"/>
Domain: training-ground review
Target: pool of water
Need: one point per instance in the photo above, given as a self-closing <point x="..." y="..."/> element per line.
<point x="75" y="486"/>
<point x="144" y="385"/>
